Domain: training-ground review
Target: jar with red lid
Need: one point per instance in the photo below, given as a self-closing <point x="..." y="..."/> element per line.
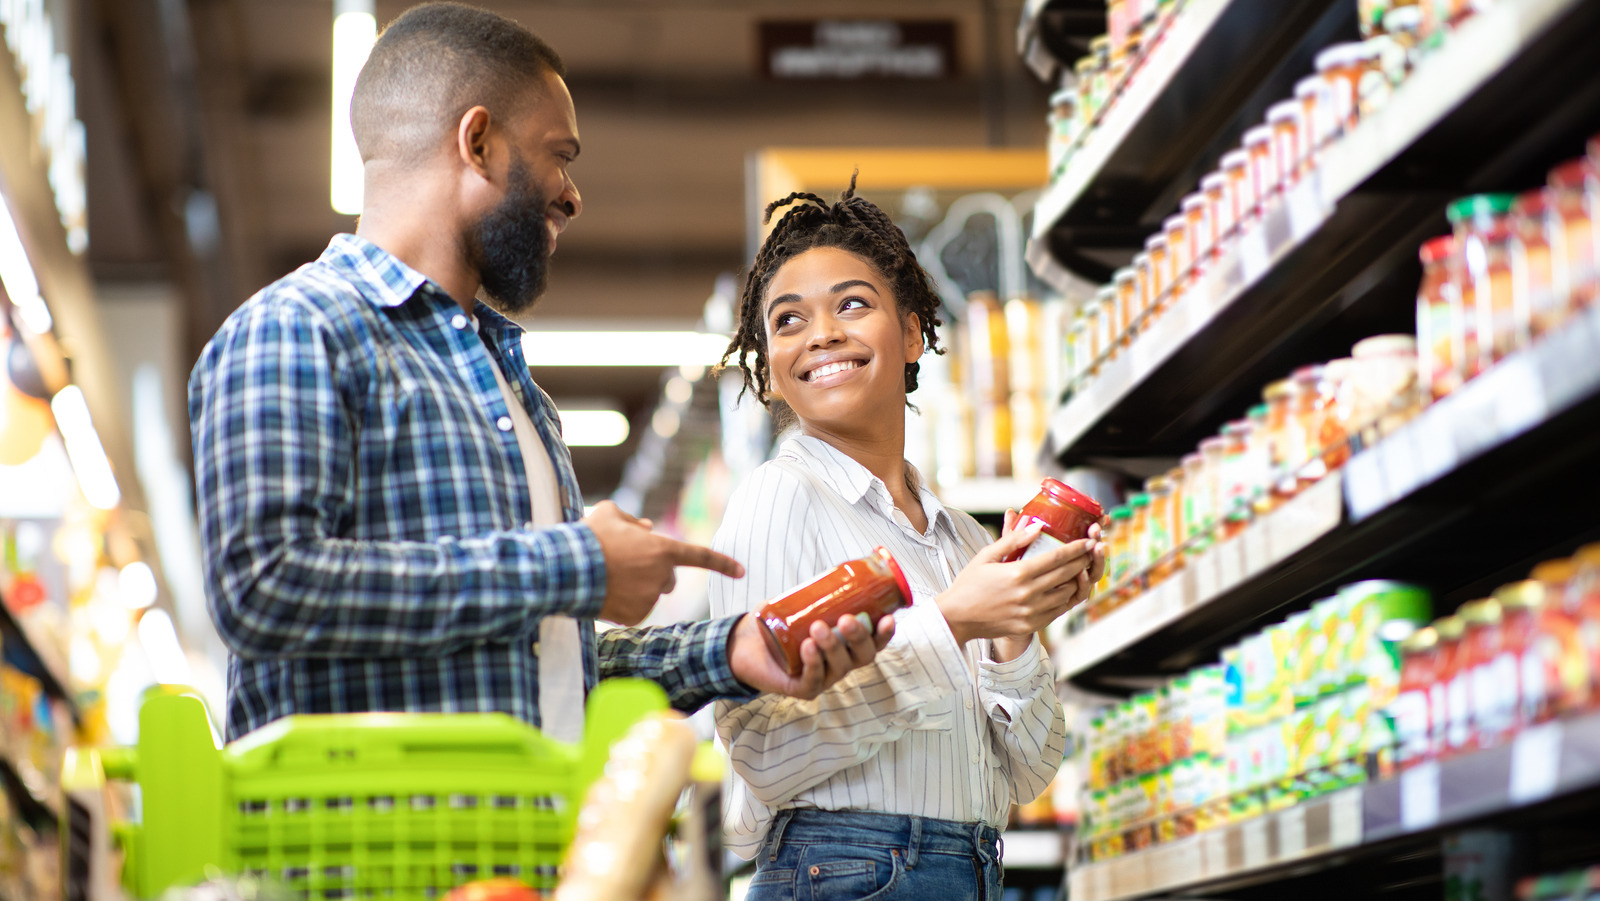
<point x="1215" y="188"/>
<point x="1561" y="649"/>
<point x="1264" y="173"/>
<point x="1438" y="313"/>
<point x="868" y="588"/>
<point x="1241" y="188"/>
<point x="1531" y="272"/>
<point x="1202" y="230"/>
<point x="1583" y="599"/>
<point x="1449" y="699"/>
<point x="1575" y="195"/>
<point x="1489" y="722"/>
<point x="1482" y="227"/>
<point x="1517" y="671"/>
<point x="1155" y="248"/>
<point x="1410" y="710"/>
<point x="1066" y="513"/>
<point x="1287" y="121"/>
<point x="1179" y="255"/>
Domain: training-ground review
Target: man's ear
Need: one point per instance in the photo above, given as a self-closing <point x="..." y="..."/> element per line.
<point x="472" y="139"/>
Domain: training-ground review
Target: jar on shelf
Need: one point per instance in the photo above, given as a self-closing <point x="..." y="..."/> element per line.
<point x="1082" y="356"/>
<point x="1202" y="230"/>
<point x="1158" y="266"/>
<point x="1241" y="197"/>
<point x="1215" y="188"/>
<point x="1369" y="16"/>
<point x="1385" y="381"/>
<point x="1284" y="437"/>
<point x="1126" y="283"/>
<point x="1482" y="227"/>
<point x="1120" y="550"/>
<point x="1180" y="257"/>
<point x="1063" y="121"/>
<point x="1563" y="651"/>
<point x="1119" y="24"/>
<point x="1404" y="24"/>
<point x="1158" y="529"/>
<point x="1339" y="375"/>
<point x="1387" y="70"/>
<point x="1287" y="121"/>
<point x="1139" y="533"/>
<point x="1088" y="102"/>
<point x="1521" y="673"/>
<point x="1142" y="298"/>
<point x="1441" y="336"/>
<point x="1198" y="498"/>
<point x="1315" y="96"/>
<point x="1411" y="710"/>
<point x="1490" y="703"/>
<point x="1447" y="14"/>
<point x="1532" y="291"/>
<point x="1104" y="78"/>
<point x="1450" y="703"/>
<point x="1233" y="486"/>
<point x="1258" y="452"/>
<point x="1343" y="67"/>
<point x="1179" y="480"/>
<point x="1313" y="404"/>
<point x="1575" y="195"/>
<point x="1265" y="182"/>
<point x="1111" y="324"/>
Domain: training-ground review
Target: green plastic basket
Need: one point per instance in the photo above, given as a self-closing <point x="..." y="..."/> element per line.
<point x="362" y="805"/>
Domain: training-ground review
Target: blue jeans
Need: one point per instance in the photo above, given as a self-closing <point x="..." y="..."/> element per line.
<point x="824" y="855"/>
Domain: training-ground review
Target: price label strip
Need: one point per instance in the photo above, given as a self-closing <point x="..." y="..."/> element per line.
<point x="1256" y="852"/>
<point x="1535" y="763"/>
<point x="1344" y="816"/>
<point x="1419" y="797"/>
<point x="1292" y="832"/>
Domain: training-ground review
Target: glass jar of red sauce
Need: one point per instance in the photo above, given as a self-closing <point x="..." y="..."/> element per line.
<point x="1126" y="281"/>
<point x="1437" y="354"/>
<point x="1562" y="654"/>
<point x="1202" y="230"/>
<point x="1518" y="670"/>
<point x="868" y="588"/>
<point x="1287" y="121"/>
<point x="1583" y="596"/>
<point x="1575" y="195"/>
<point x="1216" y="191"/>
<point x="1111" y="325"/>
<point x="1531" y="271"/>
<point x="1410" y="710"/>
<point x="1482" y="230"/>
<point x="1180" y="255"/>
<point x="1448" y="699"/>
<point x="1491" y="703"/>
<point x="1155" y="248"/>
<point x="1145" y="294"/>
<point x="1284" y="436"/>
<point x="1066" y="513"/>
<point x="1242" y="199"/>
<point x="1265" y="182"/>
<point x="1321" y="125"/>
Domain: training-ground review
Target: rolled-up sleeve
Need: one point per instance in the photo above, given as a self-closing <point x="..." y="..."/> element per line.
<point x="1025" y="718"/>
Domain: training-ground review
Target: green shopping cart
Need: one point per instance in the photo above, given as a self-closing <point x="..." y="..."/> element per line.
<point x="403" y="806"/>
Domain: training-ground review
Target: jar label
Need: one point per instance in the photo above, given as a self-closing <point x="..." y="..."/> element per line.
<point x="1043" y="543"/>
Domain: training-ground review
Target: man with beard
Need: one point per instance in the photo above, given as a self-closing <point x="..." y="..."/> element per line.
<point x="390" y="517"/>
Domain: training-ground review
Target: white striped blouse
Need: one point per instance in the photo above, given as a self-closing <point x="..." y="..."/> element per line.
<point x="927" y="729"/>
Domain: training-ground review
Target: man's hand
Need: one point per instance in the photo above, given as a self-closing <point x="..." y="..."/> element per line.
<point x="639" y="563"/>
<point x="991" y="599"/>
<point x="825" y="657"/>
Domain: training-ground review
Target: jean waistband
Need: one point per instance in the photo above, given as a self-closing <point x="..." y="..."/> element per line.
<point x="915" y="834"/>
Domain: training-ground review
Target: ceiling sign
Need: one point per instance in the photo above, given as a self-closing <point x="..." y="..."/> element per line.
<point x="854" y="49"/>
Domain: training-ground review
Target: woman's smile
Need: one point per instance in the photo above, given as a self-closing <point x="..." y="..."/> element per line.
<point x="825" y="372"/>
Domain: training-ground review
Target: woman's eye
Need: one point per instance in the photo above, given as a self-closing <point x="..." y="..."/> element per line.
<point x="783" y="320"/>
<point x="853" y="303"/>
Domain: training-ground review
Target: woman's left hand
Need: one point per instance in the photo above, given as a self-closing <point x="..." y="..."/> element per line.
<point x="827" y="656"/>
<point x="1086" y="581"/>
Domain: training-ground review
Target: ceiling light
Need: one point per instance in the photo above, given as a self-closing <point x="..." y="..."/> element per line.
<point x="623" y="348"/>
<point x="136" y="585"/>
<point x="665" y="422"/>
<point x="692" y="371"/>
<point x="16" y="273"/>
<point x="88" y="456"/>
<point x="593" y="428"/>
<point x="679" y="390"/>
<point x="355" y="28"/>
<point x="168" y="663"/>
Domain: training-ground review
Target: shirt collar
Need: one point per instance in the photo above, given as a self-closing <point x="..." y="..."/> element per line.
<point x="392" y="282"/>
<point x="852" y="481"/>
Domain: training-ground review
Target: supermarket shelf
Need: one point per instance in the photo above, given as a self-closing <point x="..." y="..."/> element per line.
<point x="1336" y="262"/>
<point x="38" y="812"/>
<point x="33" y="658"/>
<point x="988" y="497"/>
<point x="1514" y="446"/>
<point x="1053" y="33"/>
<point x="1034" y="849"/>
<point x="1216" y="69"/>
<point x="1544" y="763"/>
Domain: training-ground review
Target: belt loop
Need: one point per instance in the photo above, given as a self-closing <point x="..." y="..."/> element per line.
<point x="775" y="833"/>
<point x="914" y="843"/>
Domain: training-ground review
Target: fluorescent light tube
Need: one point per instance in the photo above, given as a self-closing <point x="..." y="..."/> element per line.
<point x="623" y="348"/>
<point x="593" y="428"/>
<point x="355" y="28"/>
<point x="88" y="456"/>
<point x="16" y="273"/>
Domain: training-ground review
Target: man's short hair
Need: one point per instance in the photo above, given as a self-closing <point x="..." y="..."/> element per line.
<point x="431" y="65"/>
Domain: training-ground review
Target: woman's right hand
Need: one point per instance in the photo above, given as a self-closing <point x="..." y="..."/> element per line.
<point x="992" y="599"/>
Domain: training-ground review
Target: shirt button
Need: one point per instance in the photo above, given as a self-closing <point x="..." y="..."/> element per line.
<point x="503" y="423"/>
<point x="969" y="703"/>
<point x="974" y="756"/>
<point x="458" y="321"/>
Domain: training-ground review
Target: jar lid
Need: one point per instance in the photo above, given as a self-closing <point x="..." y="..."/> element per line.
<point x="1234" y="159"/>
<point x="1436" y="250"/>
<point x="1140" y="499"/>
<point x="1236" y="427"/>
<point x="1260" y="134"/>
<point x="1103" y="42"/>
<point x="1485" y="612"/>
<point x="1524" y="595"/>
<point x="1193" y="202"/>
<point x="1121" y="513"/>
<point x="1309" y="86"/>
<point x="1385" y="346"/>
<point x="1478" y="205"/>
<point x="1311" y="373"/>
<point x="1125" y="274"/>
<point x="1214" y="443"/>
<point x="1423" y="640"/>
<point x="1084" y="65"/>
<point x="1338" y="370"/>
<point x="1278" y="390"/>
<point x="1090" y="311"/>
<point x="899" y="574"/>
<point x="1257" y="412"/>
<point x="1285" y="111"/>
<point x="1059" y="489"/>
<point x="1065" y="96"/>
<point x="1215" y="180"/>
<point x="1193" y="459"/>
<point x="1403" y="18"/>
<point x="1174" y="221"/>
<point x="1340" y="55"/>
<point x="1531" y="204"/>
<point x="1573" y="173"/>
<point x="1106" y="292"/>
<point x="1155" y="241"/>
<point x="1450" y="628"/>
<point x="1157" y="484"/>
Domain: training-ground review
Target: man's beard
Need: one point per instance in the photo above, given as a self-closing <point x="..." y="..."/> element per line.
<point x="510" y="245"/>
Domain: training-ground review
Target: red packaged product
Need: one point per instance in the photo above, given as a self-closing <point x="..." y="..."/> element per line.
<point x="1449" y="700"/>
<point x="869" y="589"/>
<point x="1410" y="709"/>
<point x="1067" y="515"/>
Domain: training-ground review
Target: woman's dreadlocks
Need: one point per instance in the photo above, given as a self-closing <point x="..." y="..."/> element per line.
<point x="855" y="225"/>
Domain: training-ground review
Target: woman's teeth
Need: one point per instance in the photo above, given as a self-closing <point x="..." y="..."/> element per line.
<point x="832" y="368"/>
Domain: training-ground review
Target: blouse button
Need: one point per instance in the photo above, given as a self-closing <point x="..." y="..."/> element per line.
<point x="458" y="321"/>
<point x="503" y="423"/>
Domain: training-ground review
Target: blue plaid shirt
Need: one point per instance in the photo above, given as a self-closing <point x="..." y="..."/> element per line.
<point x="363" y="509"/>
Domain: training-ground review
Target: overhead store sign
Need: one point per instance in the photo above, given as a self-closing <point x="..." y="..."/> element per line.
<point x="854" y="49"/>
<point x="52" y="100"/>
